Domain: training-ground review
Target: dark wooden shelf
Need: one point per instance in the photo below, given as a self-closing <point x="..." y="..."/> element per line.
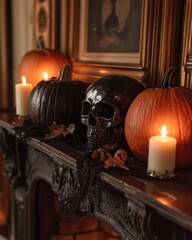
<point x="171" y="200"/>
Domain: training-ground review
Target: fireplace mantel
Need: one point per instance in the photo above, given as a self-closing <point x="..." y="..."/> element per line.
<point x="135" y="207"/>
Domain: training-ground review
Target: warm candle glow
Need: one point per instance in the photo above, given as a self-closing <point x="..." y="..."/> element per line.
<point x="24" y="80"/>
<point x="22" y="93"/>
<point x="161" y="155"/>
<point x="45" y="76"/>
<point x="163" y="131"/>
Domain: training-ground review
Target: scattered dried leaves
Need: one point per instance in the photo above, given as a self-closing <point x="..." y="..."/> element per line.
<point x="118" y="160"/>
<point x="56" y="131"/>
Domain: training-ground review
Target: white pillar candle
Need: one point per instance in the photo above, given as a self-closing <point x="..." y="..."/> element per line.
<point x="22" y="93"/>
<point x="162" y="153"/>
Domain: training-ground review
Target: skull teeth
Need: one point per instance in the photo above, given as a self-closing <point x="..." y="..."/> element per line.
<point x="101" y="136"/>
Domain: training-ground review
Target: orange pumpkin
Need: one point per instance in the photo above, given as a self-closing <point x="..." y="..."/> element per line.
<point x="35" y="63"/>
<point x="154" y="107"/>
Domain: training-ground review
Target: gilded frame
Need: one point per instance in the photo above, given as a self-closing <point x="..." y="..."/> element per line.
<point x="46" y="22"/>
<point x="161" y="28"/>
<point x="98" y="64"/>
<point x="186" y="79"/>
<point x="112" y="37"/>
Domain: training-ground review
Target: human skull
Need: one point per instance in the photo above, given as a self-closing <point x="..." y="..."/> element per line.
<point x="104" y="109"/>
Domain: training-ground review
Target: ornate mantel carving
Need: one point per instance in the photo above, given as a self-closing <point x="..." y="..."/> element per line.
<point x="125" y="214"/>
<point x="65" y="179"/>
<point x="124" y="202"/>
<point x="9" y="155"/>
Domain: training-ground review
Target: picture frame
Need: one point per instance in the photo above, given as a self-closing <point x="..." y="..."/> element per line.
<point x="66" y="31"/>
<point x="112" y="31"/>
<point x="46" y="22"/>
<point x="186" y="58"/>
<point x="93" y="64"/>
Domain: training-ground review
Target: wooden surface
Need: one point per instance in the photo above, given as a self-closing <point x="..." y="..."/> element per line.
<point x="171" y="199"/>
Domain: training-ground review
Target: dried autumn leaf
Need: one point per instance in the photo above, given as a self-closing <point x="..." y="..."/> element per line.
<point x="57" y="131"/>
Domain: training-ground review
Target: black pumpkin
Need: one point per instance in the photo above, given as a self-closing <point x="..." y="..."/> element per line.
<point x="57" y="100"/>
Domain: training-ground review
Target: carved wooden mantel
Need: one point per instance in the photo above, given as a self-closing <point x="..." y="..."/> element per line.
<point x="136" y="207"/>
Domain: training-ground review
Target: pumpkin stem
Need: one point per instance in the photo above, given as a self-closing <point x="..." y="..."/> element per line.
<point x="65" y="73"/>
<point x="168" y="78"/>
<point x="40" y="44"/>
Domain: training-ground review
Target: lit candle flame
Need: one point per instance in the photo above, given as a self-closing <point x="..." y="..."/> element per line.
<point x="24" y="80"/>
<point x="163" y="131"/>
<point x="45" y="76"/>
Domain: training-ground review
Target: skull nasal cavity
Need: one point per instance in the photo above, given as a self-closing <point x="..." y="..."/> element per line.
<point x="92" y="121"/>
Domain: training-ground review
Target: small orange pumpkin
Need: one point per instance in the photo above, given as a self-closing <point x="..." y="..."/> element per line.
<point x="35" y="63"/>
<point x="154" y="107"/>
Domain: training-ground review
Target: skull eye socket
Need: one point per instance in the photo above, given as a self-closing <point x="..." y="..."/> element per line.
<point x="104" y="110"/>
<point x="86" y="108"/>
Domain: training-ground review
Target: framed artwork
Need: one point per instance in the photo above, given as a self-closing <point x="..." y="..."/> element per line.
<point x="130" y="37"/>
<point x="112" y="31"/>
<point x="46" y="21"/>
<point x="186" y="58"/>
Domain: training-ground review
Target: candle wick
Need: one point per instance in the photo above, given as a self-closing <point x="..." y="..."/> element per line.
<point x="163" y="131"/>
<point x="24" y="80"/>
